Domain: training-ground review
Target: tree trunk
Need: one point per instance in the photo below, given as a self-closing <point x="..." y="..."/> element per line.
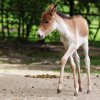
<point x="7" y="21"/>
<point x="94" y="38"/>
<point x="2" y="20"/>
<point x="19" y="28"/>
<point x="71" y="4"/>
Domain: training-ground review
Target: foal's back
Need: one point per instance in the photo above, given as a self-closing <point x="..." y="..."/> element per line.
<point x="77" y="22"/>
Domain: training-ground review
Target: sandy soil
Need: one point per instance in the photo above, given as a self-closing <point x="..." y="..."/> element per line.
<point x="14" y="87"/>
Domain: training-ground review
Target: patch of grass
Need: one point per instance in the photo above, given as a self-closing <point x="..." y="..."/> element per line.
<point x="83" y="69"/>
<point x="94" y="60"/>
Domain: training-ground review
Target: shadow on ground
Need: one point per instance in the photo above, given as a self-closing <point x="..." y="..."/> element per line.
<point x="32" y="53"/>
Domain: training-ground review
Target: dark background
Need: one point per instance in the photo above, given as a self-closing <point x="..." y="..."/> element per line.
<point x="20" y="18"/>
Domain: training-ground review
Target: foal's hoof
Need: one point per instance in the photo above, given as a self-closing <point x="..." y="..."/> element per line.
<point x="58" y="91"/>
<point x="80" y="89"/>
<point x="75" y="94"/>
<point x="88" y="91"/>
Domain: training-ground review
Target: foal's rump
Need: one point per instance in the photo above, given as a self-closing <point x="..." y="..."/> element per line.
<point x="82" y="25"/>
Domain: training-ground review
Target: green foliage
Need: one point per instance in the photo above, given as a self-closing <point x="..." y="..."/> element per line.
<point x="87" y="9"/>
<point x="24" y="16"/>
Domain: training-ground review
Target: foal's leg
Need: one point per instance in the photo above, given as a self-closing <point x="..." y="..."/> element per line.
<point x="73" y="67"/>
<point x="77" y="60"/>
<point x="72" y="48"/>
<point x="61" y="79"/>
<point x="87" y="62"/>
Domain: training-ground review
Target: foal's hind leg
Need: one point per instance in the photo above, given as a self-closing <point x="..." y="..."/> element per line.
<point x="73" y="67"/>
<point x="77" y="61"/>
<point x="87" y="62"/>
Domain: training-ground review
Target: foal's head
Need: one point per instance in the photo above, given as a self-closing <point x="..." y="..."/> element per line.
<point x="47" y="23"/>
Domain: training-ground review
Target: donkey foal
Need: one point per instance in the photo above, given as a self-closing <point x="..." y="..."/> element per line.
<point x="73" y="34"/>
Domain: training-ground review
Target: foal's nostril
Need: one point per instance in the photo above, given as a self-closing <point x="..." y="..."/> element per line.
<point x="38" y="35"/>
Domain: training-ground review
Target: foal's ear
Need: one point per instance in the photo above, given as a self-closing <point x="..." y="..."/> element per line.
<point x="52" y="9"/>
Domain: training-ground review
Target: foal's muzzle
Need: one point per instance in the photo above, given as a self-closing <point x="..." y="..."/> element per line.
<point x="40" y="34"/>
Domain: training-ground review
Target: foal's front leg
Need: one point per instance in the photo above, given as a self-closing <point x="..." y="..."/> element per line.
<point x="72" y="48"/>
<point x="77" y="60"/>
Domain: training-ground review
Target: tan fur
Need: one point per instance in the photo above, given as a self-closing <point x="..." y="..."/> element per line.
<point x="77" y="22"/>
<point x="82" y="25"/>
<point x="46" y="22"/>
<point x="74" y="23"/>
<point x="73" y="34"/>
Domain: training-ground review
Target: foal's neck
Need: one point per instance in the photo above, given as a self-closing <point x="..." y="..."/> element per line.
<point x="62" y="27"/>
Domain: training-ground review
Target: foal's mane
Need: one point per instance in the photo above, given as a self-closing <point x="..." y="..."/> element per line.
<point x="66" y="16"/>
<point x="62" y="15"/>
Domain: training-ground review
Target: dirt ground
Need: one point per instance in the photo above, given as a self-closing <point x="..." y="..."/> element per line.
<point x="18" y="87"/>
<point x="19" y="60"/>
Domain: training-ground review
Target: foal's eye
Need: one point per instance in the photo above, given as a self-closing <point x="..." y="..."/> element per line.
<point x="46" y="22"/>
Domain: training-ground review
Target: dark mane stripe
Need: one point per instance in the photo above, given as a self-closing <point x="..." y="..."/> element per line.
<point x="64" y="16"/>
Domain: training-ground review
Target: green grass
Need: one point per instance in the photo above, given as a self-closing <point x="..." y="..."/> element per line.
<point x="83" y="70"/>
